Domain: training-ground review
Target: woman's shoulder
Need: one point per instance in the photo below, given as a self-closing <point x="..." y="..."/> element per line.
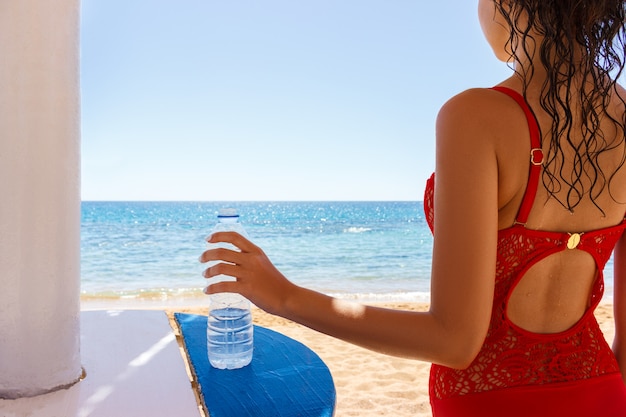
<point x="479" y="105"/>
<point x="481" y="110"/>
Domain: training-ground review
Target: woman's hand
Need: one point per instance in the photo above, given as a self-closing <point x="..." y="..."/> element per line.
<point x="257" y="278"/>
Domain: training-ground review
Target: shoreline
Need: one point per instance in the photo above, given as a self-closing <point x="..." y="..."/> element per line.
<point x="182" y="299"/>
<point x="368" y="384"/>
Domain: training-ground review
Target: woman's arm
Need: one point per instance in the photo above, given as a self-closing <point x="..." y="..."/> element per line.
<point x="619" y="304"/>
<point x="463" y="270"/>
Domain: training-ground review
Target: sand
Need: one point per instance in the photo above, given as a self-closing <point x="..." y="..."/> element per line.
<point x="369" y="383"/>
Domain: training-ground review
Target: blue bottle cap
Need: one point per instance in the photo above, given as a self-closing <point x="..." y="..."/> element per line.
<point x="228" y="212"/>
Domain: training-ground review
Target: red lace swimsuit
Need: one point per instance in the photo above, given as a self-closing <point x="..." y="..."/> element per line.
<point x="520" y="373"/>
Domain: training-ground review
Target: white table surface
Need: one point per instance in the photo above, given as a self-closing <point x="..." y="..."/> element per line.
<point x="134" y="368"/>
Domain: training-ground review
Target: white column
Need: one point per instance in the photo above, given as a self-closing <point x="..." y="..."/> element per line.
<point x="39" y="196"/>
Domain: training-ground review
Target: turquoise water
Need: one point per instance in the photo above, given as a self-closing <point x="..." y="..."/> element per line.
<point x="379" y="251"/>
<point x="373" y="250"/>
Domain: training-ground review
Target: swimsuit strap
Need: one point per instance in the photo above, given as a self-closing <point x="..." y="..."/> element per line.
<point x="536" y="155"/>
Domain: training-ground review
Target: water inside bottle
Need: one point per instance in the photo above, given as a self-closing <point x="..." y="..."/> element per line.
<point x="229" y="338"/>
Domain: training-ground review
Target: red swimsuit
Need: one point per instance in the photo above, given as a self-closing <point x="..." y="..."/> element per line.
<point x="518" y="373"/>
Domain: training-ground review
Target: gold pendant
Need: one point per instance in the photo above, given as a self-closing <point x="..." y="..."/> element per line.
<point x="573" y="241"/>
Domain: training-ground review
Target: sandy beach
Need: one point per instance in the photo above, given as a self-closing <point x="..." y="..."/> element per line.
<point x="369" y="383"/>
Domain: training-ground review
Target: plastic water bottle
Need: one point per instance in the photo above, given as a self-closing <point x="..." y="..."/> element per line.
<point x="229" y="325"/>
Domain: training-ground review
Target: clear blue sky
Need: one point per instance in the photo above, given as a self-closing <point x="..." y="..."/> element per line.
<point x="271" y="99"/>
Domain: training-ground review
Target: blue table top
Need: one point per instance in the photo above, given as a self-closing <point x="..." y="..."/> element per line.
<point x="285" y="378"/>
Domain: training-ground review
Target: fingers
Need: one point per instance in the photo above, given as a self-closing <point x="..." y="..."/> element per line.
<point x="218" y="287"/>
<point x="234" y="238"/>
<point x="239" y="263"/>
<point x="221" y="269"/>
<point x="221" y="254"/>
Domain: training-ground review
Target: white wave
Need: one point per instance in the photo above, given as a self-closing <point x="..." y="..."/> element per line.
<point x="357" y="230"/>
<point x="408" y="296"/>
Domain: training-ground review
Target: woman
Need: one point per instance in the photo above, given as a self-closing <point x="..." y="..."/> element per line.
<point x="530" y="200"/>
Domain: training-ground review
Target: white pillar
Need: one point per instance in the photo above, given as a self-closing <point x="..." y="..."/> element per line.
<point x="39" y="196"/>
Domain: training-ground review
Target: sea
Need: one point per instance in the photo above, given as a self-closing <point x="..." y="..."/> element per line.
<point x="366" y="251"/>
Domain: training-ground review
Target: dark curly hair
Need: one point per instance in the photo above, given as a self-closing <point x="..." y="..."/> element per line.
<point x="584" y="40"/>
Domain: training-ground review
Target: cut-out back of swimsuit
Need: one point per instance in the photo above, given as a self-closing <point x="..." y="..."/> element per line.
<point x="514" y="357"/>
